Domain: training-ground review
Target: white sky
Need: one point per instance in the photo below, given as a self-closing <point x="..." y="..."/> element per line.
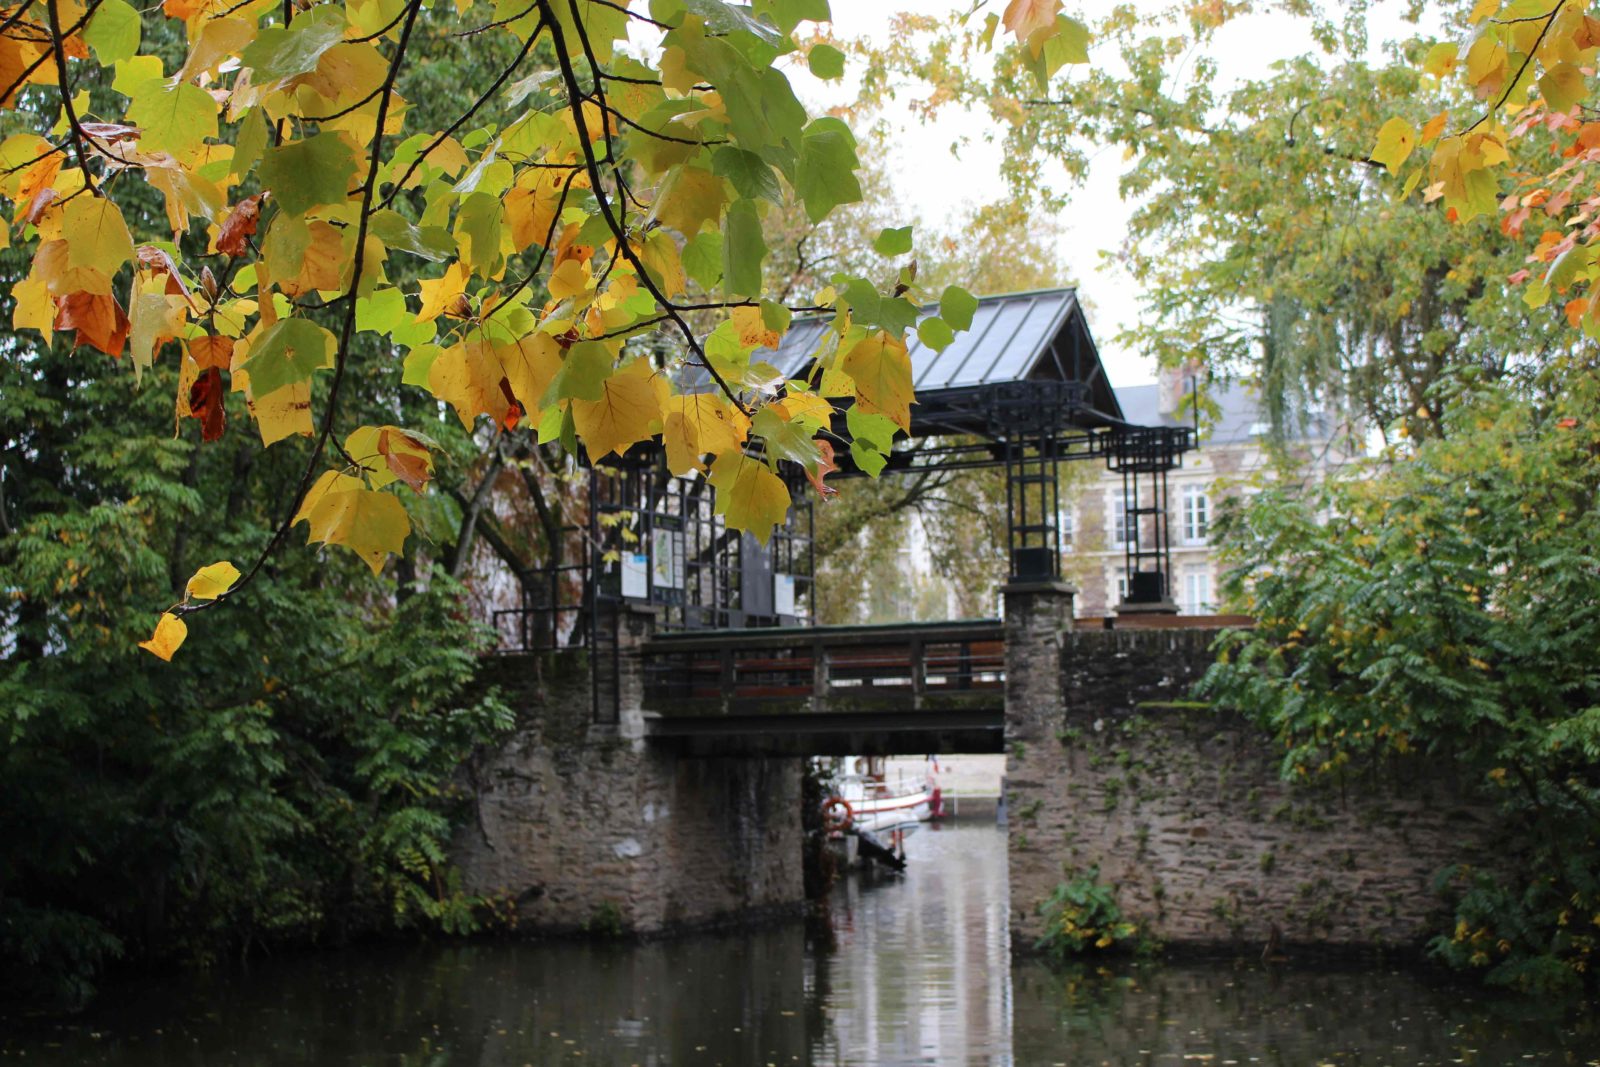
<point x="928" y="178"/>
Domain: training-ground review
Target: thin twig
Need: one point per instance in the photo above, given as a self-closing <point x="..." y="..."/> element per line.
<point x="527" y="46"/>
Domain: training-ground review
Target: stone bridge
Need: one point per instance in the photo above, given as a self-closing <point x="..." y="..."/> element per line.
<point x="685" y="810"/>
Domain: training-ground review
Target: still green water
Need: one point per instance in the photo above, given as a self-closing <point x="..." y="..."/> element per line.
<point x="909" y="970"/>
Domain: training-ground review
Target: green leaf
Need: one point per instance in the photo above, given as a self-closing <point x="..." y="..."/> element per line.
<point x="895" y="241"/>
<point x="478" y="226"/>
<point x="309" y="173"/>
<point x="278" y="52"/>
<point x="702" y="259"/>
<point x="872" y="430"/>
<point x="113" y="32"/>
<point x="935" y="333"/>
<point x="744" y="249"/>
<point x="395" y="231"/>
<point x="419" y="364"/>
<point x="583" y="373"/>
<point x="176" y="121"/>
<point x="288" y="351"/>
<point x="751" y="175"/>
<point x="785" y="439"/>
<point x="828" y="163"/>
<point x="957" y="306"/>
<point x="775" y="316"/>
<point x="252" y="140"/>
<point x="385" y="313"/>
<point x="826" y="61"/>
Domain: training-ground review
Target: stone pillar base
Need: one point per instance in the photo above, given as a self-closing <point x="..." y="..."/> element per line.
<point x="1163" y="606"/>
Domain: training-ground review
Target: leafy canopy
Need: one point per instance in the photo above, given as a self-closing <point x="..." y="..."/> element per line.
<point x="585" y="198"/>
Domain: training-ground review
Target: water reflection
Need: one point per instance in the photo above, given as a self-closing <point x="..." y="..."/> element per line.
<point x="917" y="972"/>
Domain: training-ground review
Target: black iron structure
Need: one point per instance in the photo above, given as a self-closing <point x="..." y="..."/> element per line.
<point x="1023" y="389"/>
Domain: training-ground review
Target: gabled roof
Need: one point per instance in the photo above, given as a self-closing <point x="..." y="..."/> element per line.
<point x="1015" y="337"/>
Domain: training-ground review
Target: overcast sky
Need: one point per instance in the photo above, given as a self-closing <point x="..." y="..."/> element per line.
<point x="937" y="184"/>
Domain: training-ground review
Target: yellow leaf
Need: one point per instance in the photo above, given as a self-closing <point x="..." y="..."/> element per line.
<point x="284" y="412"/>
<point x="749" y="496"/>
<point x="1441" y="59"/>
<point x="95" y="234"/>
<point x="530" y="363"/>
<point x="341" y="510"/>
<point x="690" y="198"/>
<point x="170" y="632"/>
<point x="808" y="408"/>
<point x="1396" y="139"/>
<point x="882" y="373"/>
<point x="571" y="278"/>
<point x="389" y="454"/>
<point x="468" y="377"/>
<point x="322" y="263"/>
<point x="717" y="426"/>
<point x="1483" y="9"/>
<point x="35" y="309"/>
<point x="682" y="442"/>
<point x="629" y="410"/>
<point x="531" y="212"/>
<point x="211" y="582"/>
<point x="752" y="330"/>
<point x="1562" y="87"/>
<point x="438" y="294"/>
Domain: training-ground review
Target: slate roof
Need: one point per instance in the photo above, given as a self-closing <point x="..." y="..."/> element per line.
<point x="1015" y="337"/>
<point x="1240" y="416"/>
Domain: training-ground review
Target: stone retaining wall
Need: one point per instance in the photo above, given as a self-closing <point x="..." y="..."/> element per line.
<point x="1181" y="808"/>
<point x="585" y="827"/>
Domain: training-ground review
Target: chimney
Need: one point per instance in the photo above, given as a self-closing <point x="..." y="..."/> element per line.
<point x="1173" y="385"/>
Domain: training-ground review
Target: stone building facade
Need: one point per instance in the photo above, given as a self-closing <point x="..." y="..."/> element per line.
<point x="1232" y="448"/>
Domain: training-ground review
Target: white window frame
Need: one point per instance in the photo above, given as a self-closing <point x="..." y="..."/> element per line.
<point x="1068" y="527"/>
<point x="1119" y="582"/>
<point x="1119" y="519"/>
<point x="1196" y="514"/>
<point x="1197" y="576"/>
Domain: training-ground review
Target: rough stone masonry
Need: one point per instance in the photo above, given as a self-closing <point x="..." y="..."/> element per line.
<point x="582" y="826"/>
<point x="1180" y="807"/>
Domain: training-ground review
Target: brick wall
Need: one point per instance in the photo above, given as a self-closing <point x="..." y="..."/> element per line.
<point x="586" y="826"/>
<point x="1182" y="810"/>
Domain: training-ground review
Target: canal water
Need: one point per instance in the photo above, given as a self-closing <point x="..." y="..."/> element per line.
<point x="910" y="969"/>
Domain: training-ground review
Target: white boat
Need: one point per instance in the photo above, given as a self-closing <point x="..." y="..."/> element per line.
<point x="867" y="801"/>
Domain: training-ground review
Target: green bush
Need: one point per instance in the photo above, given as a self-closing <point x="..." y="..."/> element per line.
<point x="1082" y="916"/>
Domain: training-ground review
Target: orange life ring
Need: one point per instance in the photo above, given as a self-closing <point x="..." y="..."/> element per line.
<point x="837" y="814"/>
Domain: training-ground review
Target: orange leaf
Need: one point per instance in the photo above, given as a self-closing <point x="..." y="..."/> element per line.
<point x="825" y="467"/>
<point x="205" y="404"/>
<point x="209" y="352"/>
<point x="240" y="226"/>
<point x="158" y="261"/>
<point x="98" y="318"/>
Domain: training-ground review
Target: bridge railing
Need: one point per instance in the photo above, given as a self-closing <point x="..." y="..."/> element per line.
<point x="826" y="668"/>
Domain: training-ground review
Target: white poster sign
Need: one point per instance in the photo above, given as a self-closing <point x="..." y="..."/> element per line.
<point x="665" y="572"/>
<point x="783" y="594"/>
<point x="635" y="574"/>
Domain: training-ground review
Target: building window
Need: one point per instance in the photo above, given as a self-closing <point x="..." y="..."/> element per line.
<point x="1068" y="525"/>
<point x="1119" y="519"/>
<point x="1197" y="591"/>
<point x="1120" y="576"/>
<point x="1196" y="515"/>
